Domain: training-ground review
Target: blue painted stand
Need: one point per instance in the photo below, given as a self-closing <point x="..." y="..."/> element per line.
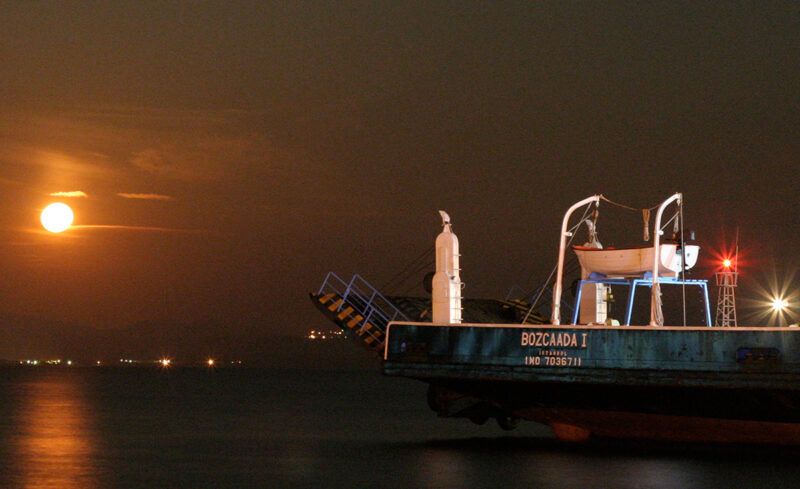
<point x="633" y="282"/>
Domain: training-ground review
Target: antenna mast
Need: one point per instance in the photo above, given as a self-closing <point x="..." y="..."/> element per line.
<point x="726" y="281"/>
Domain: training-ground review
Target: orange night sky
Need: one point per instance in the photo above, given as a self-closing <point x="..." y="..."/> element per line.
<point x="222" y="157"/>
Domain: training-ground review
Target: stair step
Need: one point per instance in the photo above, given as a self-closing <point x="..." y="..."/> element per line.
<point x="335" y="305"/>
<point x="355" y="320"/>
<point x="345" y="312"/>
<point x="324" y="299"/>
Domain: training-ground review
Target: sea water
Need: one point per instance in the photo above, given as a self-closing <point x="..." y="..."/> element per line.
<point x="313" y="428"/>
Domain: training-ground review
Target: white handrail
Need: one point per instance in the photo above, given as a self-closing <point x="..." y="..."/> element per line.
<point x="655" y="304"/>
<point x="556" y="316"/>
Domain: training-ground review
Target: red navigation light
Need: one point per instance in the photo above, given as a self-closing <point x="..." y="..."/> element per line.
<point x="726" y="263"/>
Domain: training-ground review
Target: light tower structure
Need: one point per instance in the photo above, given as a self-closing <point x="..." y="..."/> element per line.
<point x="726" y="300"/>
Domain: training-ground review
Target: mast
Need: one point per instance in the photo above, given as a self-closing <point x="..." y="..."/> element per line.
<point x="727" y="281"/>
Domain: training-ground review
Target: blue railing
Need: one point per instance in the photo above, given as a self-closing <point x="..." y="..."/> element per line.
<point x="365" y="299"/>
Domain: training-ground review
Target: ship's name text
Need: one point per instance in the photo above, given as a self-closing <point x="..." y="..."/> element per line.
<point x="553" y="339"/>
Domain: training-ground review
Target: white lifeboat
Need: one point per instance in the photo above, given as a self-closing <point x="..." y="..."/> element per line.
<point x="633" y="262"/>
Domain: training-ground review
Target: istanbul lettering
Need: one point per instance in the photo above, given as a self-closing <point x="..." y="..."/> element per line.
<point x="547" y="341"/>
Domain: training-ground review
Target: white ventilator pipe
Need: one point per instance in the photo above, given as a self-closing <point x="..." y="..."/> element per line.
<point x="556" y="316"/>
<point x="446" y="293"/>
<point x="656" y="316"/>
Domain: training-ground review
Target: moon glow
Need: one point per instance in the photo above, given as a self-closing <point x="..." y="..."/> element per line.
<point x="57" y="217"/>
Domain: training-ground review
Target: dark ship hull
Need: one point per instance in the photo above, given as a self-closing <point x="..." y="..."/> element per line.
<point x="688" y="384"/>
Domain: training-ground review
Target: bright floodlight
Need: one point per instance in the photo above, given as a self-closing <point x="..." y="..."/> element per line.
<point x="779" y="304"/>
<point x="726" y="263"/>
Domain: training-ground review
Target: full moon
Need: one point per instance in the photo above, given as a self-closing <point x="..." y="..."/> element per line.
<point x="57" y="217"/>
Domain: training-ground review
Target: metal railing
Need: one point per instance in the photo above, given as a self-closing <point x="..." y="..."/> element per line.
<point x="365" y="300"/>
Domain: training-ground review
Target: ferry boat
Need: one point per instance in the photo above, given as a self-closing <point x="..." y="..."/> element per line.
<point x="591" y="377"/>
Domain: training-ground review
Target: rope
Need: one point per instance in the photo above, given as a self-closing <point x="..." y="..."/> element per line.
<point x="569" y="267"/>
<point x="683" y="263"/>
<point x="675" y="227"/>
<point x="670" y="220"/>
<point x="550" y="277"/>
<point x="413" y="285"/>
<point x="626" y="206"/>
<point x="655" y="305"/>
<point x="576" y="226"/>
<point x="410" y="269"/>
<point x="645" y="214"/>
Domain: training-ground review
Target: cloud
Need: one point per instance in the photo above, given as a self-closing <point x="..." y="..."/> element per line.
<point x="105" y="146"/>
<point x="187" y="159"/>
<point x="145" y="196"/>
<point x="138" y="228"/>
<point x="72" y="193"/>
<point x="150" y="160"/>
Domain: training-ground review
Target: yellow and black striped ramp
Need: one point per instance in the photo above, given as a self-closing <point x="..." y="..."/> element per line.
<point x="346" y="317"/>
